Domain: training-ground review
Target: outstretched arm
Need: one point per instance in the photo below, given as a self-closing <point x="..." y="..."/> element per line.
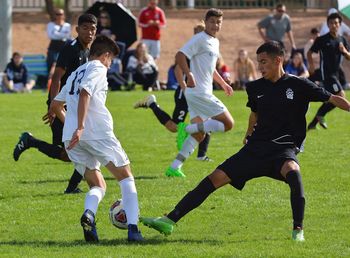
<point x="340" y="102"/>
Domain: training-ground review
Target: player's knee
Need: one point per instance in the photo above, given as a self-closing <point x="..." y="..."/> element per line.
<point x="198" y="136"/>
<point x="229" y="123"/>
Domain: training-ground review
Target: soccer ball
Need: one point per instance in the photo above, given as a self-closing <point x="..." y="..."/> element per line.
<point x="117" y="215"/>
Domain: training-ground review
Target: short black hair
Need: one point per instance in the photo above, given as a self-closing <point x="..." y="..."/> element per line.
<point x="334" y="16"/>
<point x="103" y="44"/>
<point x="87" y="18"/>
<point x="273" y="48"/>
<point x="213" y="12"/>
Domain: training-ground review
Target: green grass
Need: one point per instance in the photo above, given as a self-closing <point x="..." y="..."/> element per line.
<point x="37" y="220"/>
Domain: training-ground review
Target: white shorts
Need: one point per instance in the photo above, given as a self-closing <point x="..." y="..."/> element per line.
<point x="18" y="86"/>
<point x="91" y="154"/>
<point x="204" y="105"/>
<point x="153" y="47"/>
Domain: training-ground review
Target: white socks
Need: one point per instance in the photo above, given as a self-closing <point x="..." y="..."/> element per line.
<point x="93" y="198"/>
<point x="188" y="148"/>
<point x="130" y="202"/>
<point x="207" y="126"/>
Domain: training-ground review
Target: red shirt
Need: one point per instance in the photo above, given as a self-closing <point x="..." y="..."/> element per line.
<point x="147" y="14"/>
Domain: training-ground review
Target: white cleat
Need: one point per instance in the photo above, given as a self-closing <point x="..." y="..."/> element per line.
<point x="146" y="102"/>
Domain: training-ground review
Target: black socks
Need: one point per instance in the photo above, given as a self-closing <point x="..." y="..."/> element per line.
<point x="161" y="115"/>
<point x="192" y="199"/>
<point x="297" y="198"/>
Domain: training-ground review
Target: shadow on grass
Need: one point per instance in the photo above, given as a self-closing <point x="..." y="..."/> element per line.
<point x="48" y="181"/>
<point x="114" y="242"/>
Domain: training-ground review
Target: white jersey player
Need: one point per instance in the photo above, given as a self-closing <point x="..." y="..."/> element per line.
<point x="207" y="112"/>
<point x="89" y="139"/>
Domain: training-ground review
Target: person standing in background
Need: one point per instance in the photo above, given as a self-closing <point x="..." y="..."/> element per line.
<point x="152" y="20"/>
<point x="58" y="31"/>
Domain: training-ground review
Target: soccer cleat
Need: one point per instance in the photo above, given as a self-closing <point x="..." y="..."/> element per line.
<point x="204" y="158"/>
<point x="162" y="224"/>
<point x="322" y="122"/>
<point x="181" y="135"/>
<point x="22" y="145"/>
<point x="172" y="172"/>
<point x="146" y="102"/>
<point x="311" y="127"/>
<point x="298" y="235"/>
<point x="87" y="221"/>
<point x="134" y="235"/>
<point x="74" y="191"/>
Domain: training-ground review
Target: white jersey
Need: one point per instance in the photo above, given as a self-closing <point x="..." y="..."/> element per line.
<point x="92" y="77"/>
<point x="203" y="52"/>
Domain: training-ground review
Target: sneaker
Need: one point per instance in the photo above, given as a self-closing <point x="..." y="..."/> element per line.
<point x="322" y="122"/>
<point x="22" y="145"/>
<point x="74" y="191"/>
<point x="298" y="235"/>
<point x="311" y="127"/>
<point x="171" y="172"/>
<point x="162" y="224"/>
<point x="134" y="235"/>
<point x="181" y="135"/>
<point x="87" y="221"/>
<point x="204" y="158"/>
<point x="146" y="102"/>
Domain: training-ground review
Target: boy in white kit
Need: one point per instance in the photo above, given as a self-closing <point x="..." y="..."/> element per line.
<point x="207" y="112"/>
<point x="89" y="139"/>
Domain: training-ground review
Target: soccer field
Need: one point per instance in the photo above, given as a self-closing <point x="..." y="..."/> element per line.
<point x="38" y="220"/>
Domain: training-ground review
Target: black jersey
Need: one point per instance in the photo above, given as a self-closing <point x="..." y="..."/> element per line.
<point x="281" y="107"/>
<point x="330" y="55"/>
<point x="71" y="56"/>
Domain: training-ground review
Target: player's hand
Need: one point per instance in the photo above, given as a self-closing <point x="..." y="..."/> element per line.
<point x="49" y="117"/>
<point x="190" y="80"/>
<point x="75" y="139"/>
<point x="228" y="90"/>
<point x="342" y="48"/>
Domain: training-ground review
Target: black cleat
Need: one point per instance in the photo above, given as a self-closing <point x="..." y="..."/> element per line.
<point x="74" y="191"/>
<point x="134" y="235"/>
<point x="87" y="221"/>
<point x="22" y="145"/>
<point x="322" y="122"/>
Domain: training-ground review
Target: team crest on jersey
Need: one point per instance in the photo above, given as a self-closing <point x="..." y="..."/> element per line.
<point x="289" y="93"/>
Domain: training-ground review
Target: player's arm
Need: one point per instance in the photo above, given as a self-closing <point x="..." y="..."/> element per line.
<point x="344" y="51"/>
<point x="83" y="104"/>
<point x="310" y="61"/>
<point x="340" y="102"/>
<point x="56" y="82"/>
<point x="56" y="107"/>
<point x="179" y="75"/>
<point x="253" y="118"/>
<point x="227" y="88"/>
<point x="181" y="60"/>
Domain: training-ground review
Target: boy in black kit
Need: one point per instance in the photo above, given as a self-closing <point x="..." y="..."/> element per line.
<point x="277" y="128"/>
<point x="332" y="48"/>
<point x="73" y="54"/>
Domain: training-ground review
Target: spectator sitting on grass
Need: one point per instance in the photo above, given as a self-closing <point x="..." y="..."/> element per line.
<point x="16" y="76"/>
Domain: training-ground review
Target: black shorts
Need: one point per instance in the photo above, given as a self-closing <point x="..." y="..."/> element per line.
<point x="181" y="108"/>
<point x="332" y="85"/>
<point x="256" y="160"/>
<point x="57" y="130"/>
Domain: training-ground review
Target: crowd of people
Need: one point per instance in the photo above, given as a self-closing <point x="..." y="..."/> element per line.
<point x="82" y="127"/>
<point x="138" y="66"/>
